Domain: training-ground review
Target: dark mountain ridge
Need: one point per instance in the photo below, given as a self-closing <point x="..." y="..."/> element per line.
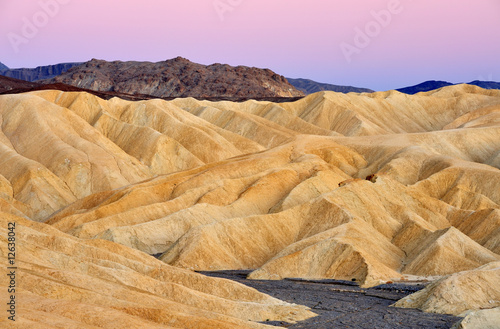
<point x="433" y="85"/>
<point x="486" y="84"/>
<point x="37" y="73"/>
<point x="311" y="87"/>
<point x="177" y="77"/>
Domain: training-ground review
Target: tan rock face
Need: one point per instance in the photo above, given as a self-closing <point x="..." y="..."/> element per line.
<point x="65" y="282"/>
<point x="464" y="291"/>
<point x="482" y="319"/>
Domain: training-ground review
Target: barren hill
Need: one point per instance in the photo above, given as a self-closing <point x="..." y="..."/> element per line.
<point x="178" y="77"/>
<point x="65" y="282"/>
<point x="459" y="292"/>
<point x="8" y="85"/>
<point x="372" y="187"/>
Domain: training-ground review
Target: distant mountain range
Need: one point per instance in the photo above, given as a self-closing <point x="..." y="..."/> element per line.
<point x="180" y="77"/>
<point x="432" y="85"/>
<point x="311" y="87"/>
<point x="38" y="73"/>
<point x="113" y="77"/>
<point x="486" y="84"/>
<point x="424" y="86"/>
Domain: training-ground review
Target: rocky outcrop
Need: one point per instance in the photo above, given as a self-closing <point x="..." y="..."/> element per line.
<point x="459" y="293"/>
<point x="311" y="87"/>
<point x="178" y="77"/>
<point x="481" y="319"/>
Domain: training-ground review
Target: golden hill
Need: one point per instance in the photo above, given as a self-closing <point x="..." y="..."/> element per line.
<point x="277" y="188"/>
<point x="460" y="292"/>
<point x="65" y="282"/>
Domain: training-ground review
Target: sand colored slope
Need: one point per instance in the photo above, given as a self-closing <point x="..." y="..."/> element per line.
<point x="327" y="113"/>
<point x="483" y="117"/>
<point x="481" y="319"/>
<point x="344" y="252"/>
<point x="483" y="226"/>
<point x="459" y="292"/>
<point x="65" y="282"/>
<point x="456" y="247"/>
<point x="391" y="112"/>
<point x="251" y="117"/>
<point x="85" y="145"/>
<point x="288" y="200"/>
<point x="65" y="146"/>
<point x="62" y="161"/>
<point x="159" y="116"/>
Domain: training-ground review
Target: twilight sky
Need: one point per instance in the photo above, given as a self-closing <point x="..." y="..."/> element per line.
<point x="378" y="44"/>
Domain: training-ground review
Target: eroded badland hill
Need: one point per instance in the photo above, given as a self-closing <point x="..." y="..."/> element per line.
<point x="373" y="187"/>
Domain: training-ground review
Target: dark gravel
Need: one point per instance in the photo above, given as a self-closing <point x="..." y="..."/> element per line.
<point x="343" y="304"/>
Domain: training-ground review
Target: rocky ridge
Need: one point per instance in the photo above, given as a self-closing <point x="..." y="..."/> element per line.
<point x="310" y="87"/>
<point x="178" y="77"/>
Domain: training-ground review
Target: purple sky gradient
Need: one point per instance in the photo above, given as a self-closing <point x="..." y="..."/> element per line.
<point x="454" y="40"/>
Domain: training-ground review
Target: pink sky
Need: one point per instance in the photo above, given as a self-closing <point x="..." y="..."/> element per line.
<point x="454" y="40"/>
